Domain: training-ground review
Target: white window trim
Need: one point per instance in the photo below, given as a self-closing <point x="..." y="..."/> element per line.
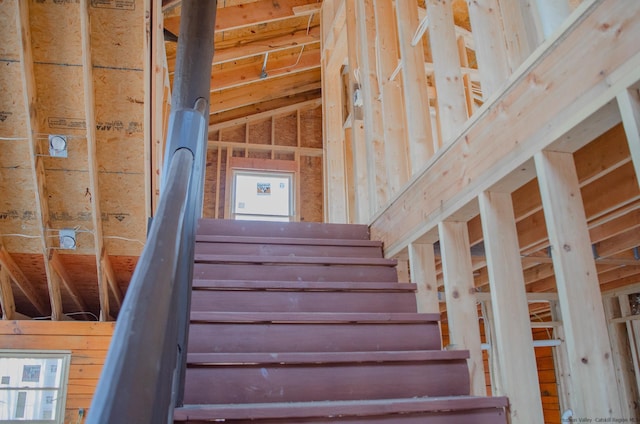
<point x="65" y="355"/>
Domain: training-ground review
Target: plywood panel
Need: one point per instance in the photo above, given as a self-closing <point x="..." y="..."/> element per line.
<point x="260" y="132"/>
<point x="286" y="130"/>
<point x="55" y="32"/>
<point x="311" y="192"/>
<point x="210" y="184"/>
<point x="237" y="134"/>
<point x="12" y="111"/>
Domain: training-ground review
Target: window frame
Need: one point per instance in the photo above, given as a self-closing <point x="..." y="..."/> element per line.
<point x="65" y="360"/>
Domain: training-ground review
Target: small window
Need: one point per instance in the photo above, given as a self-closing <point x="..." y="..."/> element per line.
<point x="262" y="196"/>
<point x="38" y="392"/>
<point x="31" y="373"/>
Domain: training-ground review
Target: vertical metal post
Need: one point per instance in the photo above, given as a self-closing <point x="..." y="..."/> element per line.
<point x="191" y="90"/>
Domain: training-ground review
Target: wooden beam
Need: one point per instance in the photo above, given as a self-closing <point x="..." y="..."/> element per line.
<point x="590" y="361"/>
<point x="102" y="260"/>
<point x="517" y="360"/>
<point x="264" y="91"/>
<point x="37" y="163"/>
<point x="285" y="110"/>
<point x="452" y="104"/>
<point x="360" y="169"/>
<point x="372" y="106"/>
<point x="245" y="48"/>
<point x="517" y="40"/>
<point x="23" y="283"/>
<point x="6" y="295"/>
<point x="255" y="13"/>
<point x="462" y="310"/>
<point x="422" y="266"/>
<point x="491" y="51"/>
<point x="537" y="113"/>
<point x="461" y="32"/>
<point x="336" y="202"/>
<point x="414" y="85"/>
<point x="67" y="282"/>
<point x="629" y="104"/>
<point x="393" y="116"/>
<point x="299" y="59"/>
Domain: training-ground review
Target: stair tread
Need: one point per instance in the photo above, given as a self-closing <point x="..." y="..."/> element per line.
<point x="206" y="238"/>
<point x="324" y="317"/>
<point x="325" y="357"/>
<point x="204" y="257"/>
<point x="291" y="410"/>
<point x="302" y="285"/>
<point x="287" y="229"/>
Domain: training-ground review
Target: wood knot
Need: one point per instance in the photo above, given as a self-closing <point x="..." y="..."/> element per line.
<point x="455" y="294"/>
<point x="567" y="248"/>
<point x="584" y="360"/>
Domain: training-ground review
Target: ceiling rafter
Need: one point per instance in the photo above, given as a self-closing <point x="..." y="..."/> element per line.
<point x="67" y="282"/>
<point x="104" y="269"/>
<point x="301" y="60"/>
<point x="37" y="163"/>
<point x="6" y="295"/>
<point x="260" y="12"/>
<point x="266" y="90"/>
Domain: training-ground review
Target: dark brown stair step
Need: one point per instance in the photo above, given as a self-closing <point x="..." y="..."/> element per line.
<point x="336" y="380"/>
<point x="227" y="227"/>
<point x="297" y="301"/>
<point x="432" y="410"/>
<point x="205" y="238"/>
<point x="295" y="272"/>
<point x="199" y="284"/>
<point x="291" y="358"/>
<point x="313" y="337"/>
<point x="290" y="259"/>
<point x="285" y="250"/>
<point x="314" y="317"/>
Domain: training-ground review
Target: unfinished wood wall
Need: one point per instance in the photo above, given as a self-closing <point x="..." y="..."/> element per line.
<point x="287" y="139"/>
<point x="534" y="171"/>
<point x="87" y="342"/>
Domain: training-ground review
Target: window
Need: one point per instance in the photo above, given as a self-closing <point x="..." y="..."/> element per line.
<point x="39" y="392"/>
<point x="262" y="196"/>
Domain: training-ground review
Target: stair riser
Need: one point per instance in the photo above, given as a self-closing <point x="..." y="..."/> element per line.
<point x="277" y="301"/>
<point x="278" y="229"/>
<point x="287" y="250"/>
<point x="299" y="383"/>
<point x="480" y="416"/>
<point x="346" y="337"/>
<point x="295" y="272"/>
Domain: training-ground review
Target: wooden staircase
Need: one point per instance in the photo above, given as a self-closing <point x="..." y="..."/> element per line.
<point x="307" y="323"/>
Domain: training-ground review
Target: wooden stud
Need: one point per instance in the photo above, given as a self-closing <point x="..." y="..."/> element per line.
<point x="361" y="172"/>
<point x="393" y="116"/>
<point x="37" y="163"/>
<point x="422" y="266"/>
<point x="491" y="51"/>
<point x="102" y="259"/>
<point x="629" y="104"/>
<point x="334" y="170"/>
<point x="515" y="33"/>
<point x="23" y="283"/>
<point x="414" y="84"/>
<point x="552" y="14"/>
<point x="6" y="295"/>
<point x="403" y="270"/>
<point x="372" y="108"/>
<point x="513" y="339"/>
<point x="590" y="361"/>
<point x="452" y="106"/>
<point x="218" y="182"/>
<point x="462" y="310"/>
<point x="155" y="71"/>
<point x="566" y="396"/>
<point x="633" y="336"/>
<point x="621" y="351"/>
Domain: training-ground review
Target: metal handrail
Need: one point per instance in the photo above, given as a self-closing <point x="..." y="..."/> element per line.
<point x="143" y="376"/>
<point x="130" y="388"/>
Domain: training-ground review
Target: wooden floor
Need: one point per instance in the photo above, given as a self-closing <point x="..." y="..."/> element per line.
<point x="300" y="322"/>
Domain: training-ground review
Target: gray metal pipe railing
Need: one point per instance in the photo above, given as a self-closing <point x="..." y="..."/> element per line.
<point x="143" y="376"/>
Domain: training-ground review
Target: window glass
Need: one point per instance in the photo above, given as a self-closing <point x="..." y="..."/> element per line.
<point x="33" y="386"/>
